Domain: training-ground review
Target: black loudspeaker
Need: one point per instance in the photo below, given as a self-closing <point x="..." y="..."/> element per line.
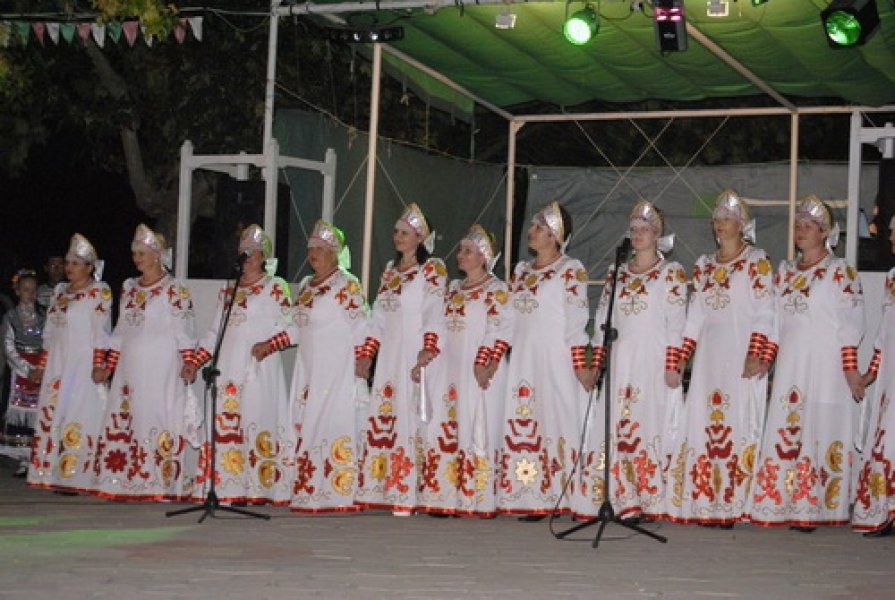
<point x="885" y="210"/>
<point x="875" y="252"/>
<point x="214" y="246"/>
<point x="670" y="26"/>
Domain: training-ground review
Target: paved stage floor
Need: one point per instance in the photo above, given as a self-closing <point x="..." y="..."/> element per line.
<point x="80" y="547"/>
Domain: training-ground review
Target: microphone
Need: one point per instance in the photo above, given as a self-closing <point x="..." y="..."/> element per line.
<point x="625" y="246"/>
<point x="243" y="256"/>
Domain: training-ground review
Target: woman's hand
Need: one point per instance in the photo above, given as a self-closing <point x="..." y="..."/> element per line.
<point x="587" y="378"/>
<point x="188" y="373"/>
<point x="101" y="375"/>
<point x="424" y="357"/>
<point x="482" y="376"/>
<point x="673" y="379"/>
<point x="261" y="350"/>
<point x="855" y="384"/>
<point x="362" y="367"/>
<point x="751" y="367"/>
<point x="869" y="378"/>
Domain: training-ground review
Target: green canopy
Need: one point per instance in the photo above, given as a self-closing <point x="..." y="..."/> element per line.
<point x="777" y="48"/>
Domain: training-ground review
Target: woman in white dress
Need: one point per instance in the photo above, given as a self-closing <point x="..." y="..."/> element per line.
<point x="648" y="315"/>
<point x="254" y="440"/>
<point x="329" y="326"/>
<point x="406" y="329"/>
<point x="548" y="376"/>
<point x="142" y="453"/>
<point x="803" y="475"/>
<point x="76" y="338"/>
<point x="729" y="323"/>
<point x="874" y="503"/>
<point x="467" y="387"/>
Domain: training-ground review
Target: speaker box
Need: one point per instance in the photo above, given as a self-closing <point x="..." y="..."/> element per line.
<point x="239" y="204"/>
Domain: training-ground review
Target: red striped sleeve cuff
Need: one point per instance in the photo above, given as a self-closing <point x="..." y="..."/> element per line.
<point x="849" y="358"/>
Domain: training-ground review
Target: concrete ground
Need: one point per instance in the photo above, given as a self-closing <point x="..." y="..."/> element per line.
<point x="81" y="547"/>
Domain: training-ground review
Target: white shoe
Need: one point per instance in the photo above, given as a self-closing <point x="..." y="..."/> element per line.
<point x="401" y="513"/>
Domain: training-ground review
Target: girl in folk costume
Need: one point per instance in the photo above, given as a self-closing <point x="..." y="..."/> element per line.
<point x="72" y="403"/>
<point x="548" y="378"/>
<point x="329" y="324"/>
<point x="467" y="387"/>
<point x="874" y="503"/>
<point x="729" y="324"/>
<point x="803" y="475"/>
<point x="143" y="453"/>
<point x="406" y="329"/>
<point x="22" y="333"/>
<point x="254" y="441"/>
<point x="649" y="312"/>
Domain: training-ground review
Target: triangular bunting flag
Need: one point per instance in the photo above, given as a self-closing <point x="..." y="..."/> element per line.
<point x="39" y="28"/>
<point x="196" y="26"/>
<point x="68" y="32"/>
<point x="5" y="29"/>
<point x="84" y="31"/>
<point x="130" y="31"/>
<point x="114" y="30"/>
<point x="180" y="31"/>
<point x="22" y="28"/>
<point x="53" y="31"/>
<point x="99" y="33"/>
<point x="146" y="37"/>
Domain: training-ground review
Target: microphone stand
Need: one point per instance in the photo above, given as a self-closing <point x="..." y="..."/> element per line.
<point x="210" y="376"/>
<point x="606" y="514"/>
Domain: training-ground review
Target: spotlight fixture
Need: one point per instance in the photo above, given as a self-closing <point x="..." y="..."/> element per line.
<point x="670" y="26"/>
<point x="758" y="2"/>
<point x="364" y="35"/>
<point x="581" y="27"/>
<point x="717" y="8"/>
<point x="505" y="19"/>
<point x="849" y="22"/>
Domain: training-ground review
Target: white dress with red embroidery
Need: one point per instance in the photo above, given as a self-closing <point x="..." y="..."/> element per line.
<point x="460" y="462"/>
<point x="803" y="473"/>
<point x="649" y="313"/>
<point x="544" y="404"/>
<point x="254" y="438"/>
<point x="71" y="405"/>
<point x="329" y="321"/>
<point x="711" y="470"/>
<point x="142" y="453"/>
<point x="409" y="304"/>
<point x="874" y="504"/>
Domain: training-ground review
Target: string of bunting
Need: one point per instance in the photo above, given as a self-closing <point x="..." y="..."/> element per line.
<point x="20" y="32"/>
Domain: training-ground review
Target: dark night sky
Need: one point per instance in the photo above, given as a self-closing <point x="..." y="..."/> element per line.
<point x="54" y="199"/>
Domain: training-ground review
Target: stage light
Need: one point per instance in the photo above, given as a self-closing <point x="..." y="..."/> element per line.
<point x="849" y="22"/>
<point x="581" y="27"/>
<point x="758" y="2"/>
<point x="505" y="19"/>
<point x="670" y="26"/>
<point x="717" y="8"/>
<point x="364" y="35"/>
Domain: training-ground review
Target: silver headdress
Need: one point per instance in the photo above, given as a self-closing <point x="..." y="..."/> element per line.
<point x="327" y="235"/>
<point x="81" y="249"/>
<point x="730" y="206"/>
<point x="812" y="208"/>
<point x="414" y="217"/>
<point x="551" y="217"/>
<point x="146" y="238"/>
<point x="485" y="243"/>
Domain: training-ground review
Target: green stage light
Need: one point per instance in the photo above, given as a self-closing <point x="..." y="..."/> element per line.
<point x="849" y="22"/>
<point x="581" y="27"/>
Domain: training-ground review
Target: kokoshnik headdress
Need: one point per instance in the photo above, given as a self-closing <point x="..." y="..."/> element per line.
<point x="645" y="211"/>
<point x="81" y="249"/>
<point x="551" y="217"/>
<point x="730" y="206"/>
<point x="254" y="238"/>
<point x="329" y="236"/>
<point x="484" y="241"/>
<point x="146" y="238"/>
<point x="811" y="208"/>
<point x="414" y="217"/>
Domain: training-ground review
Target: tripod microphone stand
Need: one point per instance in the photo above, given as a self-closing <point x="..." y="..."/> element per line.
<point x="606" y="514"/>
<point x="210" y="377"/>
